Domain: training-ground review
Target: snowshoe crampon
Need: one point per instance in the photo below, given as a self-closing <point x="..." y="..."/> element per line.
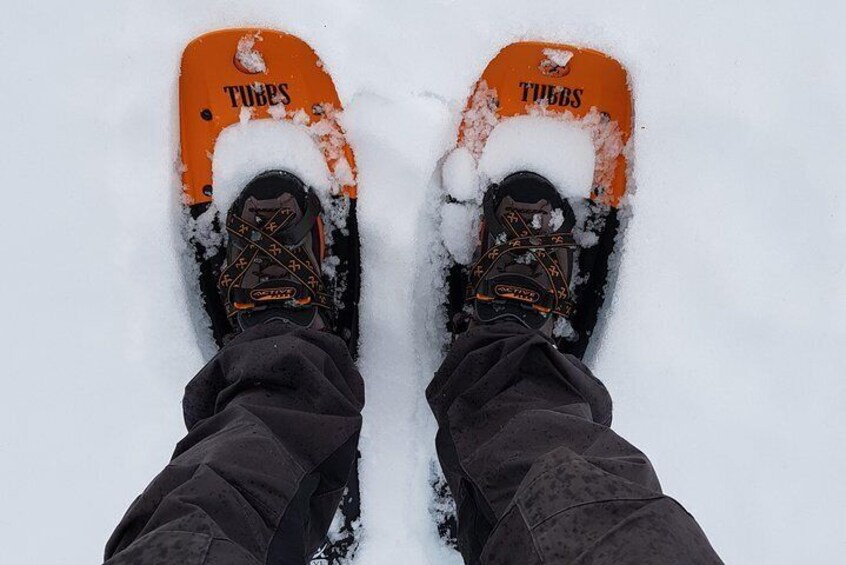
<point x="568" y="87"/>
<point x="237" y="76"/>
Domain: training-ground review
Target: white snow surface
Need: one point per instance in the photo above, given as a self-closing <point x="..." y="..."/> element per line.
<point x="243" y="150"/>
<point x="460" y="230"/>
<point x="560" y="150"/>
<point x="723" y="344"/>
<point x="558" y="147"/>
<point x="460" y="177"/>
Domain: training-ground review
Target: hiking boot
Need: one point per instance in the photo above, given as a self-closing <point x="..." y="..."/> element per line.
<point x="274" y="255"/>
<point x="523" y="266"/>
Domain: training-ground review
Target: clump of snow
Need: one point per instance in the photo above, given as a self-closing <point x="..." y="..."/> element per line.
<point x="287" y="142"/>
<point x="300" y="117"/>
<point x="330" y="265"/>
<point x="330" y="137"/>
<point x="245" y="115"/>
<point x="278" y="112"/>
<point x="588" y="222"/>
<point x="537" y="221"/>
<point x="459" y="175"/>
<point x="335" y="534"/>
<point x="558" y="57"/>
<point x="563" y="329"/>
<point x="606" y="136"/>
<point x="480" y="118"/>
<point x="562" y="150"/>
<point x="336" y="210"/>
<point x="343" y="171"/>
<point x="608" y="144"/>
<point x="336" y="531"/>
<point x="460" y="230"/>
<point x="247" y="55"/>
<point x="556" y="219"/>
<point x="442" y="507"/>
<point x="526" y="258"/>
<point x="248" y="148"/>
<point x="203" y="230"/>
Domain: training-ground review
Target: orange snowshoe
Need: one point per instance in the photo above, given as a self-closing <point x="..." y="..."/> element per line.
<point x="588" y="90"/>
<point x="230" y="79"/>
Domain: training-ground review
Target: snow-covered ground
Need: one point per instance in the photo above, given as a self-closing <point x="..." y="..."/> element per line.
<point x="724" y="350"/>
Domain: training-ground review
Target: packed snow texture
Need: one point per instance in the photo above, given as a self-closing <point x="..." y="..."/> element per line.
<point x="560" y="150"/>
<point x="460" y="229"/>
<point x="724" y="346"/>
<point x="460" y="177"/>
<point x="246" y="149"/>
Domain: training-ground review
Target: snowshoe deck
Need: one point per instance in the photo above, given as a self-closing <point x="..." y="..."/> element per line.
<point x="235" y="74"/>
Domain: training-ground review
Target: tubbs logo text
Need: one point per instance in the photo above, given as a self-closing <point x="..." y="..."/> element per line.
<point x="554" y="95"/>
<point x="258" y="94"/>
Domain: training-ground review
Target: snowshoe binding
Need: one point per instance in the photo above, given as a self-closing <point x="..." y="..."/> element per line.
<point x="273" y="267"/>
<point x="524" y="263"/>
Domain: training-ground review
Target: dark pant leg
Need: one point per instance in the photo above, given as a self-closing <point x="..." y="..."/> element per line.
<point x="537" y="474"/>
<point x="273" y="426"/>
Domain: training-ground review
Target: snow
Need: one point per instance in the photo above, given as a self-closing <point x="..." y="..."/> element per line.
<point x="724" y="345"/>
<point x="480" y="119"/>
<point x="248" y="56"/>
<point x="460" y="230"/>
<point x="559" y="57"/>
<point x="398" y="433"/>
<point x="562" y="328"/>
<point x="245" y="114"/>
<point x="556" y="219"/>
<point x="245" y="149"/>
<point x="460" y="177"/>
<point x="559" y="148"/>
